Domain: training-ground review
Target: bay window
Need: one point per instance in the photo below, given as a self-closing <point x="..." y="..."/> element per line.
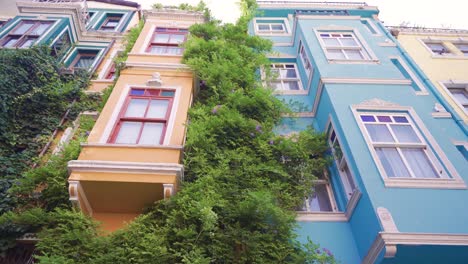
<point x="143" y="119"/>
<point x="167" y="41"/>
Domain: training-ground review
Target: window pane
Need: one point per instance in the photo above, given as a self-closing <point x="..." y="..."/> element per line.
<point x="161" y="38"/>
<point x="276" y="85"/>
<point x="262" y="27"/>
<point x="177" y="38"/>
<point x="27" y="43"/>
<point x="349" y="42"/>
<point x="294" y="85"/>
<point x="11" y="42"/>
<point x="137" y="92"/>
<point x="405" y="133"/>
<point x="173" y="50"/>
<point x="84" y="62"/>
<point x="40" y="29"/>
<point x="151" y="134"/>
<point x="128" y="133"/>
<point x="350" y="186"/>
<point x="335" y="54"/>
<point x="367" y="118"/>
<point x="385" y="119"/>
<point x="400" y="119"/>
<point x="157" y="109"/>
<point x="354" y="54"/>
<point x="331" y="42"/>
<point x="319" y="201"/>
<point x="379" y="133"/>
<point x="277" y="27"/>
<point x="288" y="73"/>
<point x="419" y="163"/>
<point x="23" y="27"/>
<point x="392" y="162"/>
<point x="460" y="96"/>
<point x="136" y="108"/>
<point x="158" y="49"/>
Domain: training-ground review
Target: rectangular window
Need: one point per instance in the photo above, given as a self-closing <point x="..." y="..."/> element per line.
<point x="305" y="60"/>
<point x="323" y="12"/>
<point x="84" y="59"/>
<point x="25" y="34"/>
<point x="463" y="47"/>
<point x="167" y="41"/>
<point x="62" y="44"/>
<point x="111" y="22"/>
<point x="370" y="26"/>
<point x="401" y="150"/>
<point x="459" y="93"/>
<point x="271" y="28"/>
<point x="143" y="119"/>
<point x="342" y="46"/>
<point x="438" y="48"/>
<point x="346" y="176"/>
<point x="321" y="199"/>
<point x="287" y="77"/>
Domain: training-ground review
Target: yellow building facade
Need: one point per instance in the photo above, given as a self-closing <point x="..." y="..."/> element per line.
<point x="443" y="56"/>
<point x="134" y="152"/>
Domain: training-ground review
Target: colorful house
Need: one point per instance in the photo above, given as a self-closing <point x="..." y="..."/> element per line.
<point x="396" y="190"/>
<point x="133" y="154"/>
<point x="442" y="54"/>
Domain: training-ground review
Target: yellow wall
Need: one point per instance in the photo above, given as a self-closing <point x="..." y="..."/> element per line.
<point x="438" y="68"/>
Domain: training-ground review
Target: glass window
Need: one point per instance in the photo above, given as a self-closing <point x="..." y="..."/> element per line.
<point x="144" y="118"/>
<point x="287" y="77"/>
<point x="271" y="28"/>
<point x="459" y="93"/>
<point x="463" y="47"/>
<point x="402" y="152"/>
<point x="437" y="48"/>
<point x="111" y="22"/>
<point x="342" y="46"/>
<point x="346" y="176"/>
<point x="167" y="41"/>
<point x="305" y="60"/>
<point x="25" y="34"/>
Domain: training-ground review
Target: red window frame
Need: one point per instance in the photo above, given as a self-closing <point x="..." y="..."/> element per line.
<point x="149" y="94"/>
<point x="167" y="45"/>
<point x="29" y="34"/>
<point x="111" y="73"/>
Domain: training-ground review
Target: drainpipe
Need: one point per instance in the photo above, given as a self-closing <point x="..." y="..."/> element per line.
<point x="426" y="80"/>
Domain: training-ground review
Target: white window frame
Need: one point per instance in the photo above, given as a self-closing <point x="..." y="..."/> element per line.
<point x="284" y="22"/>
<point x="459" y="86"/>
<point x="301" y="91"/>
<point x="450" y="180"/>
<point x="347" y="180"/>
<point x="306" y="62"/>
<point x="325" y="181"/>
<point x="363" y="48"/>
<point x="456" y="43"/>
<point x="285" y="79"/>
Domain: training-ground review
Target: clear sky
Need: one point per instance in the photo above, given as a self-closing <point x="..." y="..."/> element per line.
<point x="428" y="13"/>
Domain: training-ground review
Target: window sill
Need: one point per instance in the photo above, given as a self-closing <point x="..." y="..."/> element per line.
<point x="291" y="92"/>
<point x="450" y="56"/>
<point x="113" y="145"/>
<point x="154" y="54"/>
<point x="336" y="61"/>
<point x="425" y="183"/>
<point x="273" y="34"/>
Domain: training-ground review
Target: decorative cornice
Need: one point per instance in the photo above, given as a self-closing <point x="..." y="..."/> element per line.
<point x="377" y="102"/>
<point x="366" y="81"/>
<point x="175" y="14"/>
<point x="429" y="31"/>
<point x="125" y="167"/>
<point x="109" y="145"/>
<point x="390" y="240"/>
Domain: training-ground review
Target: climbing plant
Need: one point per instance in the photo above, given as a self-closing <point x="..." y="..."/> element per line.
<point x="242" y="181"/>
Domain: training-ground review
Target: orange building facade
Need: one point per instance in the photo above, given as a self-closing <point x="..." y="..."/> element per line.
<point x="134" y="152"/>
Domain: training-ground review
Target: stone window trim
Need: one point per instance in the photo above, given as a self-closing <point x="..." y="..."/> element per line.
<point x="359" y="48"/>
<point x="450" y="180"/>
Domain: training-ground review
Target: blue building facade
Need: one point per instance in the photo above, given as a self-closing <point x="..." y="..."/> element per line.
<point x="397" y="189"/>
<point x="79" y="32"/>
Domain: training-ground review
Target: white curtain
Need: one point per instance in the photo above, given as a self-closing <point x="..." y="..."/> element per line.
<point x="419" y="163"/>
<point x="392" y="162"/>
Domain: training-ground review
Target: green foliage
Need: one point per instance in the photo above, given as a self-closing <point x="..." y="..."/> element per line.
<point x="242" y="185"/>
<point x="34" y="95"/>
<point x="200" y="7"/>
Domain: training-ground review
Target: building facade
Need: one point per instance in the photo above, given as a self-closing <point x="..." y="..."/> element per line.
<point x="442" y="54"/>
<point x="397" y="186"/>
<point x="132" y="157"/>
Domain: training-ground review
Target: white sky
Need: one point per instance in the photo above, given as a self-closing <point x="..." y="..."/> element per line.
<point x="428" y="13"/>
